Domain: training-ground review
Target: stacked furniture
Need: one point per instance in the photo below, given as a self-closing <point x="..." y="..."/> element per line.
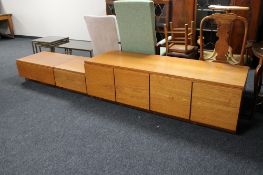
<point x="195" y="91"/>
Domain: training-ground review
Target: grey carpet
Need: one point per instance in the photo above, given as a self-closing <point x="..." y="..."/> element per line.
<point x="46" y="130"/>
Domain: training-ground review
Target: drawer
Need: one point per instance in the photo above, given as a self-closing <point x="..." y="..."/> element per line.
<point x="170" y="95"/>
<point x="100" y="81"/>
<point x="36" y="72"/>
<point x="70" y="80"/>
<point x="216" y="105"/>
<point x="132" y="87"/>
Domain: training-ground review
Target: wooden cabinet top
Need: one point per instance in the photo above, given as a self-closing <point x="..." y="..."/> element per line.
<point x="48" y="59"/>
<point x="218" y="73"/>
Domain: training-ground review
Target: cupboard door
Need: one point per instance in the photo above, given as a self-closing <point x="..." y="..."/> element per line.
<point x="70" y="80"/>
<point x="170" y="95"/>
<point x="132" y="87"/>
<point x="100" y="81"/>
<point x="216" y="105"/>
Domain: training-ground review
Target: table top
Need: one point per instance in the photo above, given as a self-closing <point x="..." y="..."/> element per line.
<point x="49" y="59"/>
<point x="227" y="8"/>
<point x="258" y="49"/>
<point x="74" y="65"/>
<point x="77" y="45"/>
<point x="218" y="73"/>
<point x="50" y="39"/>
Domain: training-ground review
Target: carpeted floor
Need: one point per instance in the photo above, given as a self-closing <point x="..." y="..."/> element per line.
<point x="46" y="130"/>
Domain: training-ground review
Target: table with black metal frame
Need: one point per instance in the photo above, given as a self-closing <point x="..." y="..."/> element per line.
<point x="77" y="45"/>
<point x="48" y="42"/>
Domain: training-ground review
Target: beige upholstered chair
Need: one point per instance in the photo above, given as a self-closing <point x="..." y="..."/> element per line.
<point x="104" y="33"/>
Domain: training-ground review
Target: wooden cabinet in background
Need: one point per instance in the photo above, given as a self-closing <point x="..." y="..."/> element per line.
<point x="253" y="16"/>
<point x="183" y="12"/>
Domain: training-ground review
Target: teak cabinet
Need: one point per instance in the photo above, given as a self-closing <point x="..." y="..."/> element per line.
<point x="197" y="91"/>
<point x="201" y="92"/>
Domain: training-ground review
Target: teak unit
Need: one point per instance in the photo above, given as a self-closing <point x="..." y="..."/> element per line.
<point x="197" y="91"/>
<point x="39" y="67"/>
<point x="201" y="92"/>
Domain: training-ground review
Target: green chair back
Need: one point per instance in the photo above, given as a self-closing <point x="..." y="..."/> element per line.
<point x="136" y="22"/>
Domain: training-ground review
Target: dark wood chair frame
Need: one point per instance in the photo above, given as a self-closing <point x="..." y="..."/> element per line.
<point x="224" y="28"/>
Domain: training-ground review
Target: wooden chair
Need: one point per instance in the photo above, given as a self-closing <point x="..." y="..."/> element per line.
<point x="223" y="51"/>
<point x="8" y="18"/>
<point x="181" y="43"/>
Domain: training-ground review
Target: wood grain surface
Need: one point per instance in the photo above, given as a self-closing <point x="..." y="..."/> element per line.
<point x="100" y="81"/>
<point x="215" y="105"/>
<point x="170" y="96"/>
<point x="132" y="87"/>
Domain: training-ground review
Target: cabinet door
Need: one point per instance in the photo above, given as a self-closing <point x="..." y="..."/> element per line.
<point x="132" y="88"/>
<point x="170" y="96"/>
<point x="70" y="80"/>
<point x="100" y="81"/>
<point x="215" y="105"/>
<point x="36" y="72"/>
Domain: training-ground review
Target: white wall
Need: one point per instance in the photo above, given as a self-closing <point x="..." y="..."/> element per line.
<point x="52" y="17"/>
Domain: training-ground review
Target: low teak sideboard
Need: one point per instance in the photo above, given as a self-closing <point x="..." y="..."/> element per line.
<point x="206" y="93"/>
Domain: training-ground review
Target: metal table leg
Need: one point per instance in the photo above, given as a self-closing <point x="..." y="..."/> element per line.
<point x="33" y="48"/>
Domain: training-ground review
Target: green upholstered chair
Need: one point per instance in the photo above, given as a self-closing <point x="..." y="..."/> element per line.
<point x="136" y="21"/>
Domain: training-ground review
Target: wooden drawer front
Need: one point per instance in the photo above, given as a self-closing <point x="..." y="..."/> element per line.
<point x="132" y="88"/>
<point x="70" y="80"/>
<point x="36" y="72"/>
<point x="215" y="105"/>
<point x="170" y="96"/>
<point x="100" y="81"/>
